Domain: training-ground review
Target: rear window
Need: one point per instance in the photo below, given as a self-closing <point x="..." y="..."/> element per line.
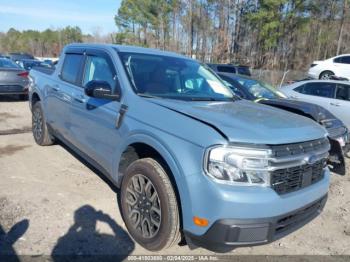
<point x="71" y="67"/>
<point x="317" y="89"/>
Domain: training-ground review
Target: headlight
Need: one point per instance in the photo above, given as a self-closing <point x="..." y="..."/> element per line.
<point x="238" y="165"/>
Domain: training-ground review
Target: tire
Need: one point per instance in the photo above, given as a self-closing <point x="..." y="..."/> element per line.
<point x="40" y="131"/>
<point x="156" y="199"/>
<point x="325" y="75"/>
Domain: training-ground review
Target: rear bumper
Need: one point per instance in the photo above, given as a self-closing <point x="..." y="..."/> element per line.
<point x="313" y="73"/>
<point x="226" y="234"/>
<point x="13" y="90"/>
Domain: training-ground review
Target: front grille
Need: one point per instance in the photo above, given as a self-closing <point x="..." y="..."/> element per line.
<point x="294" y="178"/>
<point x="292" y="220"/>
<point x="299" y="148"/>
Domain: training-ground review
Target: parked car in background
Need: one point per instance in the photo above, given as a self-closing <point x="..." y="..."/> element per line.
<point x="13" y="79"/>
<point x="4" y="56"/>
<point x="330" y="94"/>
<point x="48" y="62"/>
<point x="190" y="157"/>
<point x="28" y="64"/>
<point x="263" y="93"/>
<point x="20" y="56"/>
<point x="230" y="68"/>
<point x="338" y="66"/>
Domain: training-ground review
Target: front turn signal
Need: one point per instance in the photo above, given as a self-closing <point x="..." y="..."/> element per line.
<point x="201" y="222"/>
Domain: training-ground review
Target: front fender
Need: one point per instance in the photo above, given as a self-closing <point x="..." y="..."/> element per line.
<point x="183" y="158"/>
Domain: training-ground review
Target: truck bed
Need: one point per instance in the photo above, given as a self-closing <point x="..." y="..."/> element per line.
<point x="45" y="70"/>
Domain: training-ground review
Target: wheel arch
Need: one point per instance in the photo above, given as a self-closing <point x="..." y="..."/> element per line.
<point x="34" y="97"/>
<point x="148" y="146"/>
<point x="324" y="71"/>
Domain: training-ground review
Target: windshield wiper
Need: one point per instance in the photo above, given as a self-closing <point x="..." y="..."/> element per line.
<point x="203" y="99"/>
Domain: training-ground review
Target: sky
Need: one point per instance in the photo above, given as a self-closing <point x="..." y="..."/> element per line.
<point x="89" y="15"/>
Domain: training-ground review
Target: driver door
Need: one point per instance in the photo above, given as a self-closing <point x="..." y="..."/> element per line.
<point x="93" y="120"/>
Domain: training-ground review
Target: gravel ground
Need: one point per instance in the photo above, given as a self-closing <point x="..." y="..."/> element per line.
<point x="52" y="203"/>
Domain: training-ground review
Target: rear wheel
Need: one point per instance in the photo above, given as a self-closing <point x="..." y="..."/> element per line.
<point x="40" y="131"/>
<point x="326" y="75"/>
<point x="149" y="206"/>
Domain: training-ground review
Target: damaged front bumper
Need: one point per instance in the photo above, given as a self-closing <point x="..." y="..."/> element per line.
<point x="340" y="148"/>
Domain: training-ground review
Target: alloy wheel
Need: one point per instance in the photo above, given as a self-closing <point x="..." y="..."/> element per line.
<point x="143" y="206"/>
<point x="37" y="124"/>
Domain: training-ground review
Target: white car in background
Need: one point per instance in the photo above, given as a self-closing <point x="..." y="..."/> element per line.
<point x="330" y="94"/>
<point x="338" y="66"/>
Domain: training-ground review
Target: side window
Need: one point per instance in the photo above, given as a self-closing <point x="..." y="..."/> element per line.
<point x="227" y="69"/>
<point x="346" y="60"/>
<point x="342" y="60"/>
<point x="71" y="67"/>
<point x="300" y="89"/>
<point x="98" y="68"/>
<point x="319" y="89"/>
<point x="343" y="92"/>
<point x="338" y="59"/>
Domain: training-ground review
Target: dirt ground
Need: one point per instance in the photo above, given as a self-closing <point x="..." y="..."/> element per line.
<point x="53" y="203"/>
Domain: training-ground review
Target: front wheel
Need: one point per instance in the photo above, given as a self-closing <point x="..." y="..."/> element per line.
<point x="149" y="206"/>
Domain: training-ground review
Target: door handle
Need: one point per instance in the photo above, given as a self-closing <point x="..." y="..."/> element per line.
<point x="294" y="96"/>
<point x="334" y="104"/>
<point x="79" y="99"/>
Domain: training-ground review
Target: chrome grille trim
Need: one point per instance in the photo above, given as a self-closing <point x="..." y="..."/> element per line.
<point x="300" y="148"/>
<point x="296" y="166"/>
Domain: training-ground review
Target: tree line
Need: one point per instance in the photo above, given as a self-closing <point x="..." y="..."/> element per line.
<point x="271" y="34"/>
<point x="274" y="34"/>
<point x="48" y="43"/>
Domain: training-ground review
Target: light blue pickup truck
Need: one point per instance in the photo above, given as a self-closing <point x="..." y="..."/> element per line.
<point x="193" y="162"/>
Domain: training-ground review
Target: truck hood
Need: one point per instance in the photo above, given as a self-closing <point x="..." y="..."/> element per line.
<point x="248" y="122"/>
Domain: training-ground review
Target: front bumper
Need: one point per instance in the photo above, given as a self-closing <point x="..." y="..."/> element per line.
<point x="340" y="148"/>
<point x="313" y="73"/>
<point x="226" y="234"/>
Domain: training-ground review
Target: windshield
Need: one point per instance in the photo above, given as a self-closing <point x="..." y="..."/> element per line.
<point x="175" y="78"/>
<point x="6" y="63"/>
<point x="258" y="89"/>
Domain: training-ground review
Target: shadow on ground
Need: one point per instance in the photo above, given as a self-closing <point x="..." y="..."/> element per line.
<point x="12" y="98"/>
<point x="84" y="240"/>
<point x="7" y="240"/>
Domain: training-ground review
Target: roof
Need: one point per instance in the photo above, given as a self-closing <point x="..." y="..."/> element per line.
<point x="324" y="81"/>
<point x="235" y="76"/>
<point x="130" y="49"/>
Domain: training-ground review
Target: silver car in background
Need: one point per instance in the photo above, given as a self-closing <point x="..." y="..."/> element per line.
<point x="332" y="95"/>
<point x="13" y="79"/>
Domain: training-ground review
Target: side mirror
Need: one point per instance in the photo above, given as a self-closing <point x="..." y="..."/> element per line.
<point x="100" y="89"/>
